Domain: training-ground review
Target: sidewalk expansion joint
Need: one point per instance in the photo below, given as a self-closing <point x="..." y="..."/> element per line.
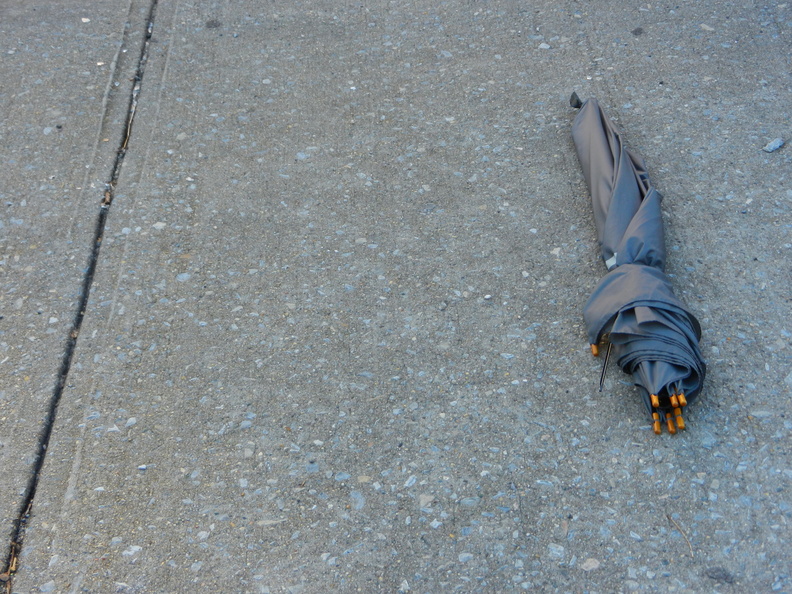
<point x="21" y="522"/>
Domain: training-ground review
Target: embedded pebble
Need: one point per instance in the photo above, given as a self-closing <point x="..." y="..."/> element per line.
<point x="773" y="145"/>
<point x="719" y="574"/>
<point x="425" y="500"/>
<point x="358" y="501"/>
<point x="132" y="550"/>
<point x="556" y="551"/>
<point x="465" y="557"/>
<point x="590" y="565"/>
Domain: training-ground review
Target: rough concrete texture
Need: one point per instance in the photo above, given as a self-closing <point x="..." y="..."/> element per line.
<point x="61" y="116"/>
<point x="334" y="339"/>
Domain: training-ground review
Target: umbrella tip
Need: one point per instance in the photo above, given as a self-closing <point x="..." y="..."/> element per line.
<point x="575" y="101"/>
<point x="680" y="422"/>
<point x="670" y="423"/>
<point x="656" y="423"/>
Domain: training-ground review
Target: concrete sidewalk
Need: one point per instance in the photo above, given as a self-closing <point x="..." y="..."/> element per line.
<point x="334" y="335"/>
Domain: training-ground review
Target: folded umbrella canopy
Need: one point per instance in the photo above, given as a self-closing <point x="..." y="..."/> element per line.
<point x="653" y="335"/>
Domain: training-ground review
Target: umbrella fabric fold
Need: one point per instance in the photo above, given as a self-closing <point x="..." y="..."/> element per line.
<point x="653" y="334"/>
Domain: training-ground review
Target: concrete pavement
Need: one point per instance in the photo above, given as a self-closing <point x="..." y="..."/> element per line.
<point x="334" y="339"/>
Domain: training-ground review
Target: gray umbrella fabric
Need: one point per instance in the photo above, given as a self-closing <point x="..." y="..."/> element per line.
<point x="653" y="335"/>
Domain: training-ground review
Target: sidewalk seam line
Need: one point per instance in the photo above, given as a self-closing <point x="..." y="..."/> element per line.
<point x="20" y="523"/>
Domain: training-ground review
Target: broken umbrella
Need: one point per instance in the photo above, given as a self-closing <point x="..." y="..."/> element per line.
<point x="653" y="335"/>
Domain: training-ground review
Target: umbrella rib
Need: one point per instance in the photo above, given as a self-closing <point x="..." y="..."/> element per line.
<point x="605" y="366"/>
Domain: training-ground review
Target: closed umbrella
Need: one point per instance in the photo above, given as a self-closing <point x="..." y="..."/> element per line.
<point x="651" y="333"/>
